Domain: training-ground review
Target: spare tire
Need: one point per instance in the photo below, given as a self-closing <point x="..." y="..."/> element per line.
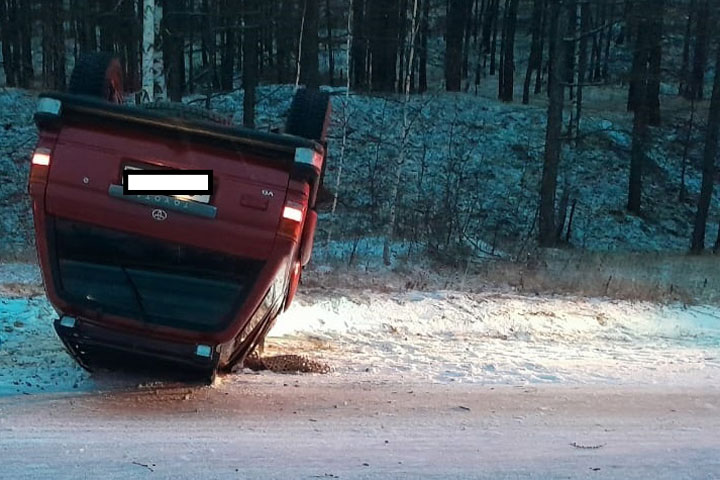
<point x="309" y="115"/>
<point x="188" y="112"/>
<point x="98" y="75"/>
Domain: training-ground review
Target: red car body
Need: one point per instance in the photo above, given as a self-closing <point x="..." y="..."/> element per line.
<point x="156" y="280"/>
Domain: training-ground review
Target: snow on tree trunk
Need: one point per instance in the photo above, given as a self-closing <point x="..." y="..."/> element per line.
<point x="148" y="51"/>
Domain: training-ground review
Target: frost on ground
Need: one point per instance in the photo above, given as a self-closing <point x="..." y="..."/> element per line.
<point x="414" y="336"/>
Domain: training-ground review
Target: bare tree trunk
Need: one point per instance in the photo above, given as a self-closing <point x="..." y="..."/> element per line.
<point x="173" y="49"/>
<point x="637" y="101"/>
<point x="453" y="45"/>
<point x="148" y="50"/>
<point x="130" y="43"/>
<point x="228" y="54"/>
<point x="582" y="62"/>
<point x="606" y="56"/>
<point x="5" y="39"/>
<point x="398" y="168"/>
<point x="656" y="15"/>
<point x="697" y="80"/>
<point x="423" y="54"/>
<point x="493" y="43"/>
<point x="358" y="51"/>
<point x="543" y="28"/>
<point x="553" y="135"/>
<point x="683" y="89"/>
<point x="467" y="31"/>
<point x="25" y="20"/>
<point x="507" y="84"/>
<point x="284" y="36"/>
<point x="535" y="59"/>
<point x="250" y="61"/>
<point x="329" y="43"/>
<point x="686" y="151"/>
<point x="160" y="90"/>
<point x="382" y="22"/>
<point x="709" y="158"/>
<point x="309" y="75"/>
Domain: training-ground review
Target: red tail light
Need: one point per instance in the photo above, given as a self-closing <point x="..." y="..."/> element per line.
<point x="39" y="166"/>
<point x="292" y="220"/>
<point x="41" y="157"/>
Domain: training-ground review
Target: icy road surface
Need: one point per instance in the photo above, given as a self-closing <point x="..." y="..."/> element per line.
<point x="273" y="427"/>
<point x="440" y="384"/>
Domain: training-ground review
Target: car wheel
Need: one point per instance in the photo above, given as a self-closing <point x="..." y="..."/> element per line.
<point x="98" y="75"/>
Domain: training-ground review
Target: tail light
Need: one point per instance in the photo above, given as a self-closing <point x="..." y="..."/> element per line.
<point x="41" y="157"/>
<point x="291" y="221"/>
<point x="40" y="165"/>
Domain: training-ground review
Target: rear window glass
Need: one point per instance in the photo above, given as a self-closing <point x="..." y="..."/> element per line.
<point x="150" y="280"/>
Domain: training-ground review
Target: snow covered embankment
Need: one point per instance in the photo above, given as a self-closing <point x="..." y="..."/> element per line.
<point x="441" y="336"/>
<point x="498" y="338"/>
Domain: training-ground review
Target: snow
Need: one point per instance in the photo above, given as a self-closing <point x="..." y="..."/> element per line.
<point x="437" y="336"/>
<point x="505" y="338"/>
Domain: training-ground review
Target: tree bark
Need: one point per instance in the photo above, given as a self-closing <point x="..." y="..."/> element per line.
<point x="697" y="80"/>
<point x="423" y="53"/>
<point x="148" y="51"/>
<point x="329" y="43"/>
<point x="5" y="38"/>
<point x="228" y="55"/>
<point x="174" y="43"/>
<point x="493" y="42"/>
<point x="685" y="80"/>
<point x="454" y="24"/>
<point x="709" y="158"/>
<point x="359" y="45"/>
<point x="25" y="20"/>
<point x="382" y="22"/>
<point x="656" y="15"/>
<point x="250" y="61"/>
<point x="284" y="38"/>
<point x="553" y="135"/>
<point x="582" y="63"/>
<point x="309" y="75"/>
<point x="637" y="101"/>
<point x="507" y="85"/>
<point x="535" y="59"/>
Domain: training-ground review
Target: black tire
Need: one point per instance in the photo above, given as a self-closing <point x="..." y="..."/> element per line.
<point x="309" y="115"/>
<point x="187" y="112"/>
<point x="98" y="75"/>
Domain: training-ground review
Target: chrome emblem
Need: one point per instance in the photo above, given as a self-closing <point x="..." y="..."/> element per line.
<point x="159" y="214"/>
<point x="268" y="193"/>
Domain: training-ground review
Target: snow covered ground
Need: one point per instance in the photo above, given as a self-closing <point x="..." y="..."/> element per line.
<point x="440" y="336"/>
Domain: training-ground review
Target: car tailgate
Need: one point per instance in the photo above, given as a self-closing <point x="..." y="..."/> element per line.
<point x="251" y="172"/>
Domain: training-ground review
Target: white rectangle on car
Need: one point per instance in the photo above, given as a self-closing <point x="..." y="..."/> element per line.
<point x="179" y="182"/>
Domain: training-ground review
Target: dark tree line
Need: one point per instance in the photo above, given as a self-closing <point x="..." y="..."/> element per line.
<point x="565" y="47"/>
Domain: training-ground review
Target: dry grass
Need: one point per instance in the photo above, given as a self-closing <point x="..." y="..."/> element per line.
<point x="628" y="276"/>
<point x="655" y="277"/>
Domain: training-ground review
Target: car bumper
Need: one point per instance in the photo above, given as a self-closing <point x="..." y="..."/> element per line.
<point x="94" y="347"/>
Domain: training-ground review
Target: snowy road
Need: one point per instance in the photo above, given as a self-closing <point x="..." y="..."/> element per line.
<point x="441" y="384"/>
<point x="281" y="427"/>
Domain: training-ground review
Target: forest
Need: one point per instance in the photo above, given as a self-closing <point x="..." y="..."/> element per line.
<point x="462" y="128"/>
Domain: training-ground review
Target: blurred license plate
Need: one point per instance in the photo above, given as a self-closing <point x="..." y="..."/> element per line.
<point x="187" y="198"/>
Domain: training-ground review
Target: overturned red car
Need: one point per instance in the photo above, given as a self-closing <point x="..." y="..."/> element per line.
<point x="190" y="282"/>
